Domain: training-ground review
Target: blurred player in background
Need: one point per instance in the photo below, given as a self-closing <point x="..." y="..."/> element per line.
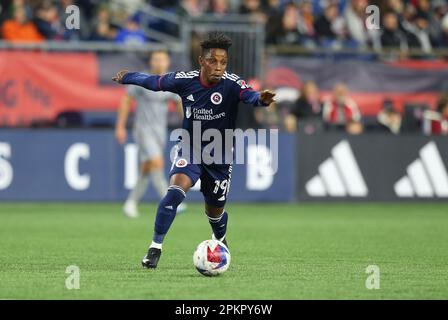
<point x="150" y="133"/>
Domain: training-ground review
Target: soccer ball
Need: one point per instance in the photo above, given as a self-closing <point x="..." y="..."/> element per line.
<point x="211" y="258"/>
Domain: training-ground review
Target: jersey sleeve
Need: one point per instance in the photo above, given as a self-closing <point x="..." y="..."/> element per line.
<point x="247" y="95"/>
<point x="169" y="82"/>
<point x="166" y="82"/>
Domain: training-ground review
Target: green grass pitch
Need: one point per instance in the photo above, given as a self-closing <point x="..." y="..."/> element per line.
<point x="279" y="251"/>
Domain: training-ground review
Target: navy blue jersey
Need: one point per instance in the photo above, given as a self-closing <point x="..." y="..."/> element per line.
<point x="214" y="106"/>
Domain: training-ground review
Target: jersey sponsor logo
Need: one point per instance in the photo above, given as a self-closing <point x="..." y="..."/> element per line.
<point x="216" y="98"/>
<point x="339" y="175"/>
<point x="243" y="84"/>
<point x="181" y="163"/>
<point x="206" y="114"/>
<point x="425" y="177"/>
<point x="188" y="112"/>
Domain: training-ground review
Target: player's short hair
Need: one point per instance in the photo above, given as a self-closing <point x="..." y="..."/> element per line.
<point x="216" y="40"/>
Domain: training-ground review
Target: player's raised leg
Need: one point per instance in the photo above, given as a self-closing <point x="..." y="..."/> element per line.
<point x="166" y="212"/>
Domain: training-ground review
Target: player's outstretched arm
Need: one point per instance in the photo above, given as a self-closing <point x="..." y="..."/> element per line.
<point x="151" y="82"/>
<point x="262" y="98"/>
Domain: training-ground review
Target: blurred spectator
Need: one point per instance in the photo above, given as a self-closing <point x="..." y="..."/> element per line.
<point x="306" y="19"/>
<point x="320" y="5"/>
<point x="47" y="21"/>
<point x="414" y="24"/>
<point x="192" y="8"/>
<point x="132" y="33"/>
<point x="289" y="33"/>
<point x="120" y="10"/>
<point x="163" y="4"/>
<point x="355" y="17"/>
<point x="436" y="122"/>
<point x="254" y="9"/>
<point x="340" y="109"/>
<point x="435" y="20"/>
<point x="83" y="32"/>
<point x="274" y="6"/>
<point x="392" y="36"/>
<point x="443" y="40"/>
<point x="396" y="6"/>
<point x="389" y="118"/>
<point x="330" y="25"/>
<point x="421" y="25"/>
<point x="7" y="6"/>
<point x="19" y="28"/>
<point x="308" y="106"/>
<point x="274" y="22"/>
<point x="219" y="8"/>
<point x="102" y="28"/>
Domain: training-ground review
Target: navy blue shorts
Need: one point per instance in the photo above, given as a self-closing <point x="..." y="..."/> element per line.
<point x="215" y="179"/>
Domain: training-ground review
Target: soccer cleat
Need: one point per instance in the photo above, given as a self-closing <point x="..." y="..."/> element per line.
<point x="151" y="259"/>
<point x="130" y="209"/>
<point x="223" y="239"/>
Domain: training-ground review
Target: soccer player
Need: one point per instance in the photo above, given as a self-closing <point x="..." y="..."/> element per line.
<point x="150" y="133"/>
<point x="210" y="97"/>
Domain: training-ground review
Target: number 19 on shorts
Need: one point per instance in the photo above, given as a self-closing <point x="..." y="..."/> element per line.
<point x="223" y="185"/>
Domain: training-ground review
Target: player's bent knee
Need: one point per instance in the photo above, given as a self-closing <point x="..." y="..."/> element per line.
<point x="181" y="180"/>
<point x="156" y="164"/>
<point x="146" y="167"/>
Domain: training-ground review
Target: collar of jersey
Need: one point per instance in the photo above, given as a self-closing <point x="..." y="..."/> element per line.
<point x="206" y="85"/>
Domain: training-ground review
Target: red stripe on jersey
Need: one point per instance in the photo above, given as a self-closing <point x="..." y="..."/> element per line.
<point x="241" y="92"/>
<point x="158" y="82"/>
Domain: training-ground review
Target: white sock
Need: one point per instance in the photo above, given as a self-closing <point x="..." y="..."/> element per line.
<point x="156" y="245"/>
<point x="140" y="188"/>
<point x="159" y="182"/>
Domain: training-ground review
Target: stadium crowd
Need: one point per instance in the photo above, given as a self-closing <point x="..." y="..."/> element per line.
<point x="337" y="111"/>
<point x="405" y="24"/>
<point x="417" y="24"/>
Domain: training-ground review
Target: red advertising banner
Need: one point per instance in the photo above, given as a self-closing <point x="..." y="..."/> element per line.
<point x="40" y="85"/>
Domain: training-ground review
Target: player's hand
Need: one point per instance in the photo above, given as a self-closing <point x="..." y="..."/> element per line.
<point x="119" y="76"/>
<point x="267" y="97"/>
<point x="121" y="135"/>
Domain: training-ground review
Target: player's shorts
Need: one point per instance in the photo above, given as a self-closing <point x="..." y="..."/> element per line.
<point x="215" y="178"/>
<point x="149" y="147"/>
